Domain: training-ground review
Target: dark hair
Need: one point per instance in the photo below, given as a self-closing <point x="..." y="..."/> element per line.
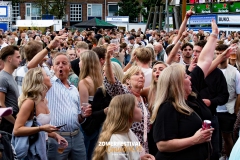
<point x="89" y="33"/>
<point x="169" y="48"/>
<point x="123" y="45"/>
<point x="221" y="47"/>
<point x="201" y="43"/>
<point x="8" y="51"/>
<point x="1" y="37"/>
<point x="101" y="52"/>
<point x="185" y="45"/>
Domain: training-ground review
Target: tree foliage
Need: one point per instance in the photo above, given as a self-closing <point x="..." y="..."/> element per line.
<point x="148" y="4"/>
<point x="130" y="8"/>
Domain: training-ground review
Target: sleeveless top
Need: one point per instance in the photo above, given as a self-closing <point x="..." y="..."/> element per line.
<point x="44" y="119"/>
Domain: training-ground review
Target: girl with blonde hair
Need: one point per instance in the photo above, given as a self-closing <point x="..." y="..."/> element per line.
<point x="32" y="102"/>
<point x="90" y="75"/>
<point x="123" y="111"/>
<point x="179" y="111"/>
<point x="133" y="83"/>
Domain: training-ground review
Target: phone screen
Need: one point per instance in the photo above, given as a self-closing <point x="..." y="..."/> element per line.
<point x="61" y="126"/>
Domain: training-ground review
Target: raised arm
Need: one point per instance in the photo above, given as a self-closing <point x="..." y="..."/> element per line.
<point x="175" y="49"/>
<point x="183" y="25"/>
<point x="108" y="66"/>
<point x="40" y="55"/>
<point x="207" y="53"/>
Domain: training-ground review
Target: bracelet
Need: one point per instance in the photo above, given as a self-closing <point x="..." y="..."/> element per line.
<point x="49" y="50"/>
<point x="131" y="62"/>
<point x="214" y="35"/>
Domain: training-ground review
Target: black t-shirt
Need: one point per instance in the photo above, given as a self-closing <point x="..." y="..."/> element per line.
<point x="198" y="83"/>
<point x="171" y="124"/>
<point x="75" y="66"/>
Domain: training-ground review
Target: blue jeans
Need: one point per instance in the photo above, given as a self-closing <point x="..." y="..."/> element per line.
<point x="90" y="142"/>
<point x="75" y="150"/>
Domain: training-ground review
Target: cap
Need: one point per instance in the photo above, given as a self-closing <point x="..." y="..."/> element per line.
<point x="5" y="111"/>
<point x="131" y="38"/>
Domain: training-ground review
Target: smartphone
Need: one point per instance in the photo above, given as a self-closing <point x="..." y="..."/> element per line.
<point x="60" y="126"/>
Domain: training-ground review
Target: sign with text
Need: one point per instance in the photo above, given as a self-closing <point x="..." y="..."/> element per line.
<point x="220" y="8"/>
<point x="228" y="19"/>
<point x="234" y="7"/>
<point x="202" y="8"/>
<point x="201" y="19"/>
<point x="120" y="19"/>
<point x="3" y="11"/>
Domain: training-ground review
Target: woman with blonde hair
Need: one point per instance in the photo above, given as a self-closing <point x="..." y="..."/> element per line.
<point x="123" y="111"/>
<point x="90" y="79"/>
<point x="90" y="76"/>
<point x="179" y="111"/>
<point x="133" y="83"/>
<point x="32" y="103"/>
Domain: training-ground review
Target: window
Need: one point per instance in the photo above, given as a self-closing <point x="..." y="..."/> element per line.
<point x="15" y="12"/>
<point x="33" y="11"/>
<point x="75" y="12"/>
<point x="112" y="9"/>
<point x="94" y="10"/>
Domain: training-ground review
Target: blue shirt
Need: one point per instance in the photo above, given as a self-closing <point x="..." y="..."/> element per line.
<point x="64" y="105"/>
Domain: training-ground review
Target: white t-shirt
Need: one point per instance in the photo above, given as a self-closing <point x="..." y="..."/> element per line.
<point x="223" y="108"/>
<point x="148" y="76"/>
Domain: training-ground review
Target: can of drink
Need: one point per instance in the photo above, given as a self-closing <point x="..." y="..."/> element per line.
<point x="206" y="124"/>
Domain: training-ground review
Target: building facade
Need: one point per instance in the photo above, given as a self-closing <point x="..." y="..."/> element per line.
<point x="76" y="10"/>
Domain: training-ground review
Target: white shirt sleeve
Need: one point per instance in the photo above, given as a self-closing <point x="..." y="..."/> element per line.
<point x="165" y="57"/>
<point x="237" y="79"/>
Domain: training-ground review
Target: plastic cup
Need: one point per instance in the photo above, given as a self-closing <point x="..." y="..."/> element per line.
<point x="61" y="147"/>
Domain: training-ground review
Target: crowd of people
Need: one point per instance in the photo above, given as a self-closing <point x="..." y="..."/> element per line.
<point x="85" y="95"/>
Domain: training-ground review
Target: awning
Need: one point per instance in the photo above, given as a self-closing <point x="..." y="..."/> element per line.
<point x="34" y="23"/>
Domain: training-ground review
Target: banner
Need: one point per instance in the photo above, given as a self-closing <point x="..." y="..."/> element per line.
<point x="201" y="19"/>
<point x="228" y="19"/>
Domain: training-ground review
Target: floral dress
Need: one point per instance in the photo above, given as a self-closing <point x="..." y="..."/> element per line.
<point x="137" y="127"/>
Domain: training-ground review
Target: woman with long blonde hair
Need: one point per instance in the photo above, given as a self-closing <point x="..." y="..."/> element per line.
<point x="123" y="111"/>
<point x="179" y="111"/>
<point x="90" y="79"/>
<point x="90" y="76"/>
<point x="32" y="103"/>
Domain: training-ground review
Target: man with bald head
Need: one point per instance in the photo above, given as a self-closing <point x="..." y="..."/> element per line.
<point x="160" y="54"/>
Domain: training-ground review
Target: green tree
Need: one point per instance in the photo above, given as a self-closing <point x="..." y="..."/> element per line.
<point x="130" y="8"/>
<point x="147" y="4"/>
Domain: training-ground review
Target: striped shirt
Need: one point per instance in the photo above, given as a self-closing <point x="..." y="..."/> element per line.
<point x="64" y="105"/>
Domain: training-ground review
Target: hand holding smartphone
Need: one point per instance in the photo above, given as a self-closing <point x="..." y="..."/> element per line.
<point x="58" y="127"/>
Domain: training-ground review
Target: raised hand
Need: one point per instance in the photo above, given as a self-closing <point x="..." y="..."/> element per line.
<point x="214" y="27"/>
<point x="110" y="50"/>
<point x="190" y="12"/>
<point x="56" y="41"/>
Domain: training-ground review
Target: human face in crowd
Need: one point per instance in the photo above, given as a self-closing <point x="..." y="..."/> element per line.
<point x="138" y="40"/>
<point x="137" y="79"/>
<point x="1" y="64"/>
<point x="187" y="52"/>
<point x="229" y="37"/>
<point x="72" y="54"/>
<point x="123" y="40"/>
<point x="61" y="67"/>
<point x="15" y="59"/>
<point x="177" y="56"/>
<point x="157" y="69"/>
<point x="187" y="85"/>
<point x="166" y="38"/>
<point x="158" y="48"/>
<point x="195" y="39"/>
<point x="132" y="41"/>
<point x="46" y="79"/>
<point x="196" y="51"/>
<point x="137" y="113"/>
<point x="220" y="52"/>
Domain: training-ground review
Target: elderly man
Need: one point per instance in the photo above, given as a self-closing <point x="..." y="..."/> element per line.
<point x="160" y="53"/>
<point x="64" y="105"/>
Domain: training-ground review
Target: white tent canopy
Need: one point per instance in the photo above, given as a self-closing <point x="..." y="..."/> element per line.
<point x="34" y="23"/>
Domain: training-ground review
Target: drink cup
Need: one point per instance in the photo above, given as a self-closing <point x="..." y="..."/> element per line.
<point x="206" y="124"/>
<point x="61" y="147"/>
<point x="233" y="56"/>
<point x="84" y="106"/>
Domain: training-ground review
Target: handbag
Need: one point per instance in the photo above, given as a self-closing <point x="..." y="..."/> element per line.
<point x="34" y="137"/>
